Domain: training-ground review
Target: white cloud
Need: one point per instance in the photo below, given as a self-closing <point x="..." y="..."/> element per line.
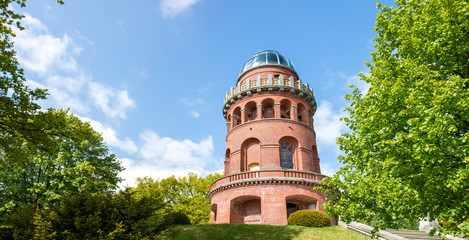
<point x="142" y="73"/>
<point x="134" y="170"/>
<point x="327" y="169"/>
<point x="53" y="60"/>
<point x="172" y="8"/>
<point x="110" y="136"/>
<point x="362" y="85"/>
<point x="112" y="102"/>
<point x="170" y="152"/>
<point x="194" y="114"/>
<point x="327" y="124"/>
<point x="41" y="52"/>
<point x="164" y="156"/>
<point x="192" y="102"/>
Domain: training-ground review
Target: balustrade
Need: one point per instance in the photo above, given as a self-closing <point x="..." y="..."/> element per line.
<point x="267" y="173"/>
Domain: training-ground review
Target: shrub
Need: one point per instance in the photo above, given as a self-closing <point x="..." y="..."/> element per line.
<point x="309" y="218"/>
<point x="176" y="218"/>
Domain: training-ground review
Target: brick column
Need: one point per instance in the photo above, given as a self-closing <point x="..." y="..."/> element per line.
<point x="273" y="207"/>
<point x="294" y="113"/>
<point x="270" y="156"/>
<point x="277" y="113"/>
<point x="235" y="162"/>
<point x="259" y="111"/>
<point x="233" y="122"/>
<point x="223" y="211"/>
<point x="243" y="115"/>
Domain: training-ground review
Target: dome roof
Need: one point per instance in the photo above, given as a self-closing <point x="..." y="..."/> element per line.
<point x="266" y="58"/>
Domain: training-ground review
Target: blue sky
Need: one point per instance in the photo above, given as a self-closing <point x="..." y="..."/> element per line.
<point x="151" y="75"/>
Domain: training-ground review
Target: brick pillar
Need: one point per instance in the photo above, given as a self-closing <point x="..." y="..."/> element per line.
<point x="223" y="211"/>
<point x="235" y="162"/>
<point x="306" y="118"/>
<point x="273" y="206"/>
<point x="228" y="126"/>
<point x="243" y="115"/>
<point x="270" y="156"/>
<point x="277" y="113"/>
<point x="233" y="122"/>
<point x="259" y="111"/>
<point x="305" y="160"/>
<point x="227" y="167"/>
<point x="294" y="113"/>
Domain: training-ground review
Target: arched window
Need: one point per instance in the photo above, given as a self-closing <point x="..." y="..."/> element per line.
<point x="286" y="154"/>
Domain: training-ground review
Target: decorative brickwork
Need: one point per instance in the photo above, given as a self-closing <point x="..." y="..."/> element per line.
<point x="271" y="161"/>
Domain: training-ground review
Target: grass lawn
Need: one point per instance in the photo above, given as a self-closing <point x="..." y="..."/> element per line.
<point x="256" y="232"/>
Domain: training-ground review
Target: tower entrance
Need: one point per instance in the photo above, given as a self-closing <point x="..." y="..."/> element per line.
<point x="291" y="208"/>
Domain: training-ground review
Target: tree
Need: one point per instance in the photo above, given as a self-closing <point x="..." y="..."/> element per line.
<point x="18" y="107"/>
<point x="104" y="215"/>
<point x="407" y="153"/>
<point x="188" y="194"/>
<point x="80" y="162"/>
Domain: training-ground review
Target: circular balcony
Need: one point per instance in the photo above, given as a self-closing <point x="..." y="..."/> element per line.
<point x="273" y="176"/>
<point x="269" y="84"/>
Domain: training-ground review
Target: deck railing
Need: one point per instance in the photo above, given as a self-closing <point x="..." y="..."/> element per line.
<point x="267" y="173"/>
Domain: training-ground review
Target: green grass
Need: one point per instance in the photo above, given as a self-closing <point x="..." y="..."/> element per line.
<point x="256" y="232"/>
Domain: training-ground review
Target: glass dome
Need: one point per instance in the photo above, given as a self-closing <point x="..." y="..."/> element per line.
<point x="267" y="57"/>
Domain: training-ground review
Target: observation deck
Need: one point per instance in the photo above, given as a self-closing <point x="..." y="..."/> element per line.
<point x="269" y="84"/>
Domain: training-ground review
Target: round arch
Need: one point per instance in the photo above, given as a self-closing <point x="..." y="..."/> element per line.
<point x="288" y="146"/>
<point x="250" y="153"/>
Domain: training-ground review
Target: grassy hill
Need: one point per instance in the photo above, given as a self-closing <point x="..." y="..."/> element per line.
<point x="259" y="232"/>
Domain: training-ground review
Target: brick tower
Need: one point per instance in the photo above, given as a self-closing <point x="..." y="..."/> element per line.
<point x="271" y="161"/>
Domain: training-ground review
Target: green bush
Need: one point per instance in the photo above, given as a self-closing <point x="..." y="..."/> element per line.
<point x="309" y="218"/>
<point x="176" y="218"/>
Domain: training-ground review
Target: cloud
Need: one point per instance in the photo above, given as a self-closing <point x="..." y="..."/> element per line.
<point x="112" y="102"/>
<point x="192" y="102"/>
<point x="170" y="152"/>
<point x="110" y="136"/>
<point x="142" y="73"/>
<point x="194" y="114"/>
<point x="135" y="169"/>
<point x="53" y="60"/>
<point x="327" y="169"/>
<point x="41" y="52"/>
<point x="327" y="124"/>
<point x="162" y="157"/>
<point x="360" y="84"/>
<point x="172" y="8"/>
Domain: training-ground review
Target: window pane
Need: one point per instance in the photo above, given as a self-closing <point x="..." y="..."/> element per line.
<point x="292" y="66"/>
<point x="283" y="60"/>
<point x="290" y="159"/>
<point x="272" y="57"/>
<point x="259" y="60"/>
<point x="283" y="156"/>
<point x="248" y="64"/>
<point x="286" y="144"/>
